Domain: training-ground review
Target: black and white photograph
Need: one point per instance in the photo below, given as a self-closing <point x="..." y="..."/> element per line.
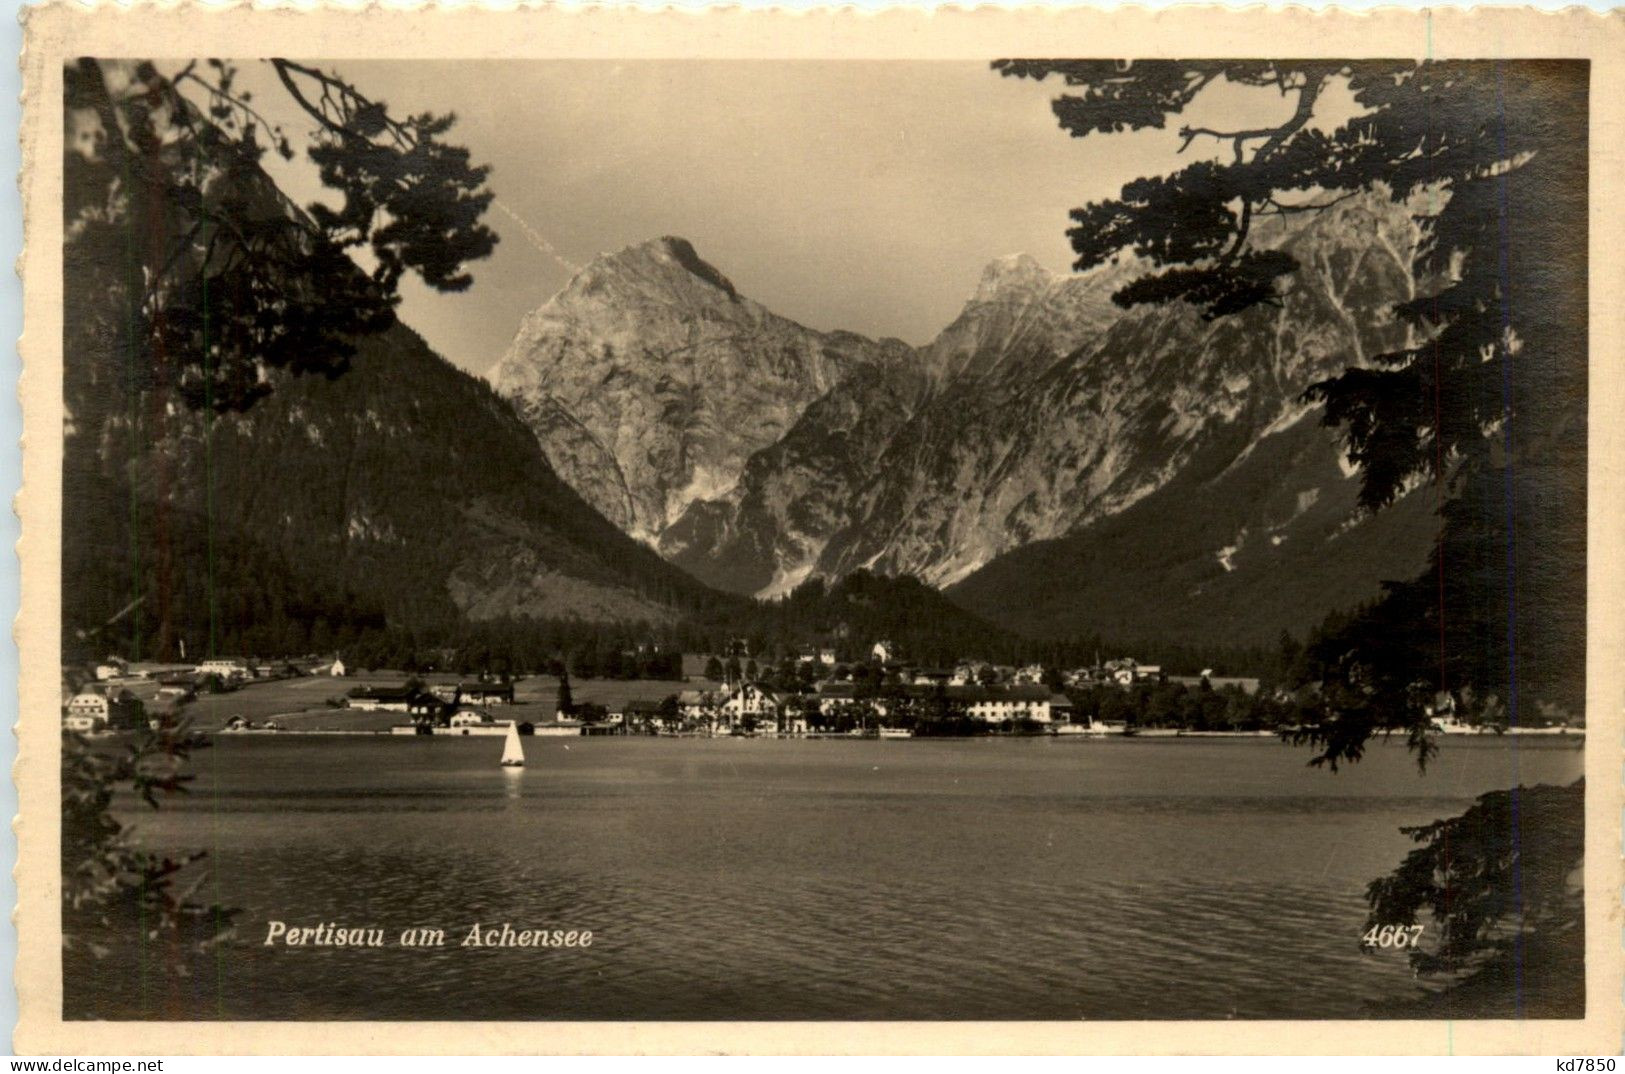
<point x="684" y="539"/>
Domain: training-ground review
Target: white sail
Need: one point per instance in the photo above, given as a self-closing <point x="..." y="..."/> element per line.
<point x="513" y="755"/>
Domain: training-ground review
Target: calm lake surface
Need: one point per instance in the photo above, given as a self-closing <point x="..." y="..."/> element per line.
<point x="969" y="879"/>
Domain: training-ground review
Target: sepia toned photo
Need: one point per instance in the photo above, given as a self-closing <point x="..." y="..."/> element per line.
<point x="1061" y="535"/>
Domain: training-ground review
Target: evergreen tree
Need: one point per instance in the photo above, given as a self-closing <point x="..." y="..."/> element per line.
<point x="118" y="899"/>
<point x="1485" y="402"/>
<point x="214" y="276"/>
<point x="191" y="286"/>
<point x="1519" y="957"/>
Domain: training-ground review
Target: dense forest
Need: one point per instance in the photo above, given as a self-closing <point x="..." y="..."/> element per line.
<point x="266" y="609"/>
<point x="1249" y="539"/>
<point x="401" y="497"/>
<point x="392" y="507"/>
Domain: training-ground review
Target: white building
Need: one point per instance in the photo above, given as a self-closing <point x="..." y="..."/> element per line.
<point x="485" y="693"/>
<point x="89" y="710"/>
<point x="337" y="670"/>
<point x="883" y="652"/>
<point x="225" y="667"/>
<point x="698" y="706"/>
<point x="90" y="705"/>
<point x="1010" y="703"/>
<point x="381" y="698"/>
<point x="469" y="718"/>
<point x="752" y="701"/>
<point x="1127" y="671"/>
<point x="112" y="669"/>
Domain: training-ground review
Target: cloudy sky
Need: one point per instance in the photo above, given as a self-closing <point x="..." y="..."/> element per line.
<point x="863" y="195"/>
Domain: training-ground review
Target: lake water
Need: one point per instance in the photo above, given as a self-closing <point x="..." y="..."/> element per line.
<point x="969" y="879"/>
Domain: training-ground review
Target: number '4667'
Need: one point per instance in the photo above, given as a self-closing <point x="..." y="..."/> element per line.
<point x="1395" y="936"/>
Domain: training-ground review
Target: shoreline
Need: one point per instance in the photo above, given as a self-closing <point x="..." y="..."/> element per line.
<point x="1154" y="733"/>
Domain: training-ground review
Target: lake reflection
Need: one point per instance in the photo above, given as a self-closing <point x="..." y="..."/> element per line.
<point x="977" y="879"/>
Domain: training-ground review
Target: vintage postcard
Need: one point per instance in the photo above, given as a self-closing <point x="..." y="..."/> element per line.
<point x="1001" y="531"/>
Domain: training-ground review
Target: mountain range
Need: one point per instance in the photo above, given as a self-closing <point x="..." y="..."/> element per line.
<point x="398" y="494"/>
<point x="1055" y="462"/>
<point x="650" y="381"/>
<point x="404" y="487"/>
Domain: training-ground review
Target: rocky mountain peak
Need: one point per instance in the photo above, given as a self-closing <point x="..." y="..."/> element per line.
<point x="650" y="380"/>
<point x="669" y="261"/>
<point x="668" y="268"/>
<point x="682" y="252"/>
<point x="1012" y="272"/>
<point x="1021" y="312"/>
<point x="756" y="452"/>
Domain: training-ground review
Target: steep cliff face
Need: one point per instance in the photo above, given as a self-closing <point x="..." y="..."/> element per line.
<point x="1238" y="546"/>
<point x="1033" y="437"/>
<point x="767" y="534"/>
<point x="650" y="381"/>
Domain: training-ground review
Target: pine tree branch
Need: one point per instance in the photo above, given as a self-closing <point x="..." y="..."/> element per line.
<point x="1190" y="134"/>
<point x="351" y="101"/>
<point x="1308" y="93"/>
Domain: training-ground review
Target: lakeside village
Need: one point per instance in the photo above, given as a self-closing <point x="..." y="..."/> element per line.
<point x="809" y="694"/>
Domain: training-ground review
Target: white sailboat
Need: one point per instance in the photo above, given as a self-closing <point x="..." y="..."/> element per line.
<point x="513" y="755"/>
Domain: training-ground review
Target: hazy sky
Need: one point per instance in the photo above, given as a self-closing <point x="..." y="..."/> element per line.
<point x="864" y="195"/>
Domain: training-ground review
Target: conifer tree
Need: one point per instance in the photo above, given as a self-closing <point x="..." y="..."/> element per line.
<point x="1485" y="404"/>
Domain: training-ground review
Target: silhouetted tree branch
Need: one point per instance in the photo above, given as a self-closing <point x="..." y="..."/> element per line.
<point x="215" y="279"/>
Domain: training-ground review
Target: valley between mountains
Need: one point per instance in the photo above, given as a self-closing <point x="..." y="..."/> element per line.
<point x="1056" y="464"/>
<point x="656" y="447"/>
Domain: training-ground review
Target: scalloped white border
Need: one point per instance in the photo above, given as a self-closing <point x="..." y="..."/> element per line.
<point x="470" y="30"/>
